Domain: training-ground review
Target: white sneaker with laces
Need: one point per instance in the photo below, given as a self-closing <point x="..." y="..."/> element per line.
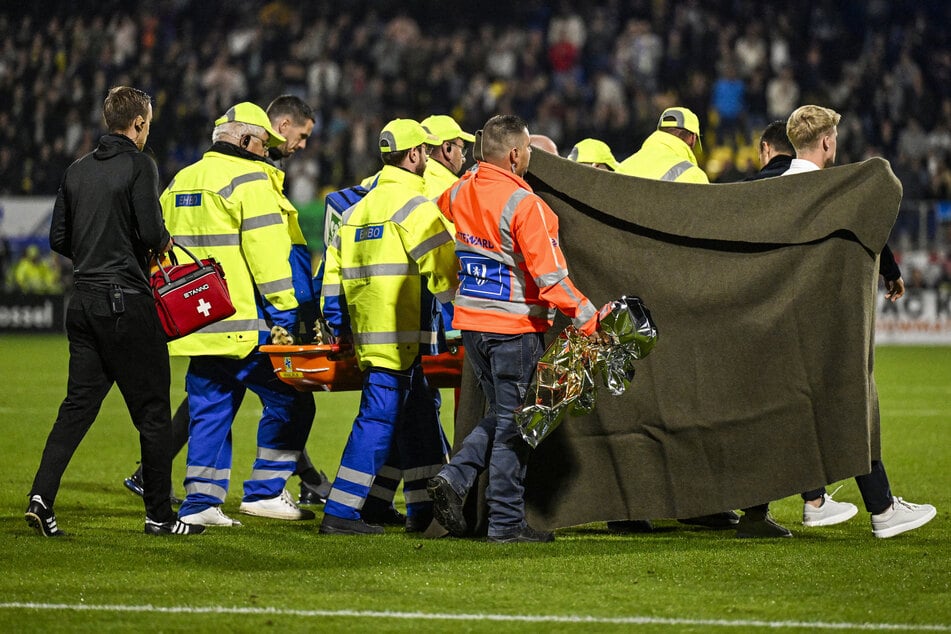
<point x="211" y="516"/>
<point x="281" y="507"/>
<point x="900" y="517"/>
<point x="828" y="513"/>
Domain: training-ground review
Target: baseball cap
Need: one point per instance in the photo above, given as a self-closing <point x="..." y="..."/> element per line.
<point x="680" y="118"/>
<point x="247" y="112"/>
<point x="403" y="134"/>
<point x="445" y="128"/>
<point x="593" y="151"/>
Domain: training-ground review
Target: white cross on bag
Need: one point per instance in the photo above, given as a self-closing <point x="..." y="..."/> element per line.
<point x="203" y="307"/>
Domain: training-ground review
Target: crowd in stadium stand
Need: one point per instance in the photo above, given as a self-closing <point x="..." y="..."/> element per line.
<point x="573" y="70"/>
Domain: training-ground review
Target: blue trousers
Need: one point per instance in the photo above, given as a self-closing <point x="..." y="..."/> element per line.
<point x="396" y="408"/>
<point x="504" y="365"/>
<point x="216" y="387"/>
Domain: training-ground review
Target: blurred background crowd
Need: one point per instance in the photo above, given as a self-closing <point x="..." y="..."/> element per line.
<point x="602" y="69"/>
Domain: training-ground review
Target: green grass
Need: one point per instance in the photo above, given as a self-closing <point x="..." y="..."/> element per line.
<point x="677" y="579"/>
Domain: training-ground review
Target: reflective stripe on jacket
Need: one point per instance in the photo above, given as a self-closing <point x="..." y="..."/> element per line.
<point x="513" y="273"/>
<point x="374" y="267"/>
<point x="231" y="208"/>
<point x="664" y="157"/>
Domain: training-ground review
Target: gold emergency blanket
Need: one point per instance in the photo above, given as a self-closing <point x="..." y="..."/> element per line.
<point x="763" y="386"/>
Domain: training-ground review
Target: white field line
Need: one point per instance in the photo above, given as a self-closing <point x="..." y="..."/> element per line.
<point x="514" y="618"/>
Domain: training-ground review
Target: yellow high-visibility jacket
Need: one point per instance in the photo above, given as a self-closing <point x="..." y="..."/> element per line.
<point x="664" y="157"/>
<point x="231" y="208"/>
<point x="438" y="179"/>
<point x="374" y="269"/>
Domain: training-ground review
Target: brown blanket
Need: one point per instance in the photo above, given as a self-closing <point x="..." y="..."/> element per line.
<point x="760" y="385"/>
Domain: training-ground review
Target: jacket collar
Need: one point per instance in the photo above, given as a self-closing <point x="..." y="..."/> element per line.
<point x="392" y="174"/>
<point x="495" y="173"/>
<point x="674" y="144"/>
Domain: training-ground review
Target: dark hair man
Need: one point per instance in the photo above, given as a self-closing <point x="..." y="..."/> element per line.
<point x="107" y="219"/>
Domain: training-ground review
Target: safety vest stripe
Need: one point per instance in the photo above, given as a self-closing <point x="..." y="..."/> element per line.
<point x="405" y="336"/>
<point x="419" y="473"/>
<point x="271" y="474"/>
<point x="207" y="473"/>
<point x="346" y="499"/>
<point x="415" y="496"/>
<point x="495" y="256"/>
<point x="674" y="172"/>
<point x="227" y="190"/>
<point x="382" y="492"/>
<point x="505" y="220"/>
<point x="511" y="308"/>
<point x="330" y="290"/>
<point x="235" y="325"/>
<point x="205" y="488"/>
<point x="403" y="212"/>
<point x="446" y="297"/>
<point x="544" y="281"/>
<point x="269" y="288"/>
<point x="210" y="240"/>
<point x="386" y="471"/>
<point x="357" y="477"/>
<point x="430" y="244"/>
<point x="585" y="312"/>
<point x="278" y="455"/>
<point x="375" y="270"/>
<point x="257" y="222"/>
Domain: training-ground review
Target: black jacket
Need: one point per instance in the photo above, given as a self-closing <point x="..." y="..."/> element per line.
<point x="107" y="218"/>
<point x="777" y="166"/>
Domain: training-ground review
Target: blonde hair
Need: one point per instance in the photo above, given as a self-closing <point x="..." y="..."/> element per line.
<point x="808" y="124"/>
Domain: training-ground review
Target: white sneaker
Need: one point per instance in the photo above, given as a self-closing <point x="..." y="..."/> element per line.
<point x="281" y="507"/>
<point x="900" y="517"/>
<point x="828" y="513"/>
<point x="211" y="516"/>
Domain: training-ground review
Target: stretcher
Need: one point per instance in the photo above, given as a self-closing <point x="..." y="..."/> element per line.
<point x="333" y="367"/>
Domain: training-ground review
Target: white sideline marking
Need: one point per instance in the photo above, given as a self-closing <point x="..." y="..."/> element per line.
<point x="521" y="618"/>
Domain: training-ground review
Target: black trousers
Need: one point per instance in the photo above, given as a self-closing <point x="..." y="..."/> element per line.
<point x="129" y="350"/>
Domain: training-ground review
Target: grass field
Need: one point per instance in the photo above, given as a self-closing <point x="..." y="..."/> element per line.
<point x="106" y="576"/>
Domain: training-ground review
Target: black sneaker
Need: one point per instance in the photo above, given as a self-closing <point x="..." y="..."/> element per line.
<point x="174" y="527"/>
<point x="389" y="516"/>
<point x="312" y="492"/>
<point x="630" y="526"/>
<point x="134" y="484"/>
<point x="41" y="518"/>
<point x="762" y="527"/>
<point x="716" y="521"/>
<point x="527" y="534"/>
<point x="332" y="525"/>
<point x="447" y="505"/>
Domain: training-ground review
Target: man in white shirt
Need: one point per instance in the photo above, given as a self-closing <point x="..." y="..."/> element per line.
<point x="813" y="132"/>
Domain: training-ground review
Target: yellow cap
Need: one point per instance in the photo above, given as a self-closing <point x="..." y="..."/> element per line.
<point x="680" y="118"/>
<point x="593" y="151"/>
<point x="253" y="114"/>
<point x="403" y="134"/>
<point x="445" y="128"/>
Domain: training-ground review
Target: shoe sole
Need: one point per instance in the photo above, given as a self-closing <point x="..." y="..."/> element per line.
<point x="36" y="523"/>
<point x="907" y="526"/>
<point x="445" y="508"/>
<point x="832" y="521"/>
<point x="132" y="486"/>
<point x="197" y="522"/>
<point x="276" y="516"/>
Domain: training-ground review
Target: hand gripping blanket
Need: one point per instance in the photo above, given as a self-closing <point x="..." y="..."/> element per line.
<point x="760" y="385"/>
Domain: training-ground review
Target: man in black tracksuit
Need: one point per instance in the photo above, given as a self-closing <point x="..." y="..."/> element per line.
<point x="107" y="219"/>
